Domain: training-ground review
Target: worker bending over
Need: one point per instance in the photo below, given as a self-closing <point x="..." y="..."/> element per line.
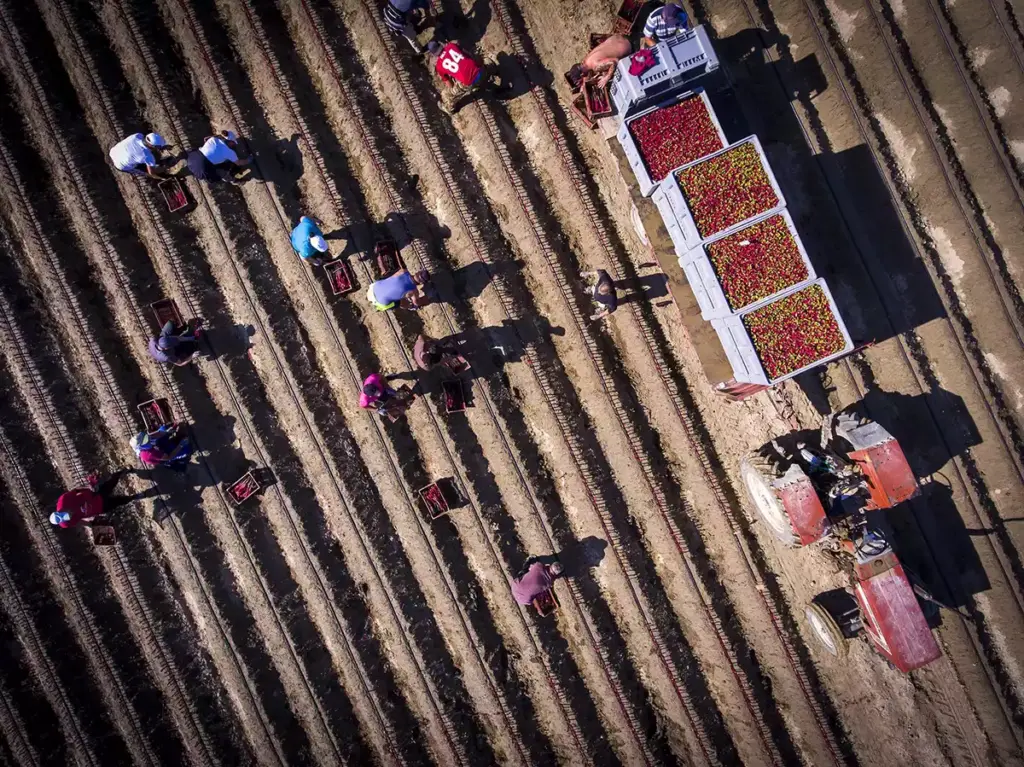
<point x="602" y="293"/>
<point x="390" y="403"/>
<point x="140" y="155"/>
<point x="217" y="159"/>
<point x="464" y="77"/>
<point x="667" y="21"/>
<point x="535" y="582"/>
<point x="428" y="352"/>
<point x="308" y="241"/>
<point x="175" y="346"/>
<point x="168" y="446"/>
<point x="83" y="504"/>
<point x="401" y="288"/>
<point x="403" y="16"/>
<point x="601" y="61"/>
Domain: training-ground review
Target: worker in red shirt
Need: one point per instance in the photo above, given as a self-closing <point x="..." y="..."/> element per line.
<point x="466" y="79"/>
<point x="83" y="504"/>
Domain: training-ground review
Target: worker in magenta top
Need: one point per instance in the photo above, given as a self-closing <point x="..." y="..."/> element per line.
<point x="308" y="241"/>
<point x="400" y="288"/>
<point x="83" y="504"/>
<point x="536" y="581"/>
<point x="465" y="78"/>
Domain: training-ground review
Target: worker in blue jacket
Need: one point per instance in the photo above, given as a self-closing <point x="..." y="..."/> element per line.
<point x="308" y="241"/>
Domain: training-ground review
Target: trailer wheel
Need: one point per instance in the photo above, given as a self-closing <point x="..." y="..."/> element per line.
<point x="825" y="629"/>
<point x="758" y="473"/>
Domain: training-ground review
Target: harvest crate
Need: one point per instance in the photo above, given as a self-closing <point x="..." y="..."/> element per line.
<point x="743" y="356"/>
<point x="339" y="277"/>
<point x="707" y="287"/>
<point x="632" y="148"/>
<point x="675" y="210"/>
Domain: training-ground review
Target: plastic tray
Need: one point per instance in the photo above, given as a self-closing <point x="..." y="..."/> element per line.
<point x="676" y="213"/>
<point x="700" y="273"/>
<point x="632" y="150"/>
<point x="739" y="347"/>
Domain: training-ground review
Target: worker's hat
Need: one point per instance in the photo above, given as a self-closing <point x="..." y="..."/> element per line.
<point x="318" y="242"/>
<point x="155" y="139"/>
<point x="59" y="516"/>
<point x="139" y="441"/>
<point x="230" y="135"/>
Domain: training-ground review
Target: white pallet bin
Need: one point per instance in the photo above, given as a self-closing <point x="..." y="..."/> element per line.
<point x="671" y="203"/>
<point x="739" y="347"/>
<point x="707" y="288"/>
<point x="632" y="149"/>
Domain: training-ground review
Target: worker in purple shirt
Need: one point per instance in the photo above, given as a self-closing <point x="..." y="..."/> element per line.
<point x="535" y="582"/>
<point x="400" y="289"/>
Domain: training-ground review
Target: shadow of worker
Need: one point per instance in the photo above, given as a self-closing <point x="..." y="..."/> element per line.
<point x="279" y="162"/>
<point x="576" y="558"/>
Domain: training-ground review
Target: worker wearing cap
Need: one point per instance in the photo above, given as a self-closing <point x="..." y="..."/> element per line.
<point x="400" y="288"/>
<point x="139" y="155"/>
<point x="667" y="21"/>
<point x="168" y="446"/>
<point x="308" y="241"/>
<point x="83" y="504"/>
<point x="217" y="159"/>
<point x="536" y="581"/>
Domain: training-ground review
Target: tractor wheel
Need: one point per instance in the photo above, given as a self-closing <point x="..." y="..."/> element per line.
<point x="826" y="630"/>
<point x="758" y="473"/>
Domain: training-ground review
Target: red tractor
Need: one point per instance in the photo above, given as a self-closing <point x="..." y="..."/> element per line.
<point x="823" y="494"/>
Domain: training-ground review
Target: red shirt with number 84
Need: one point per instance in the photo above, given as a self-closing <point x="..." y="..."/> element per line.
<point x="453" y="63"/>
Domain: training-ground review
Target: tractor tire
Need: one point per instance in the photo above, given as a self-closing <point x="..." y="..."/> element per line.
<point x="825" y="629"/>
<point x="758" y="472"/>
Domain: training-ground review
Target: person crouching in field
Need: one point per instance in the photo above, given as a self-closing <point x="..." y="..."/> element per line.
<point x="217" y="159"/>
<point x="308" y="241"/>
<point x="400" y="289"/>
<point x="141" y="155"/>
<point x="83" y="504"/>
<point x="463" y="77"/>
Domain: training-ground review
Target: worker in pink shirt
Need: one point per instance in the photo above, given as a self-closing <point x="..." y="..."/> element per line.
<point x="537" y="580"/>
<point x="377" y="395"/>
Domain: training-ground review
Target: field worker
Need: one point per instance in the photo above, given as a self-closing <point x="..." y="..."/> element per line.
<point x="139" y="155"/>
<point x="601" y="61"/>
<point x="308" y="241"/>
<point x="168" y="446"/>
<point x="602" y="293"/>
<point x="400" y="288"/>
<point x="217" y="159"/>
<point x="535" y="582"/>
<point x="464" y="77"/>
<point x="667" y="21"/>
<point x="428" y="352"/>
<point x="174" y="345"/>
<point x="83" y="504"/>
<point x="388" y="402"/>
<point x="401" y="17"/>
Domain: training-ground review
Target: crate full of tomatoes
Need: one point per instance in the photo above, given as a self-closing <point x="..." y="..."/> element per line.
<point x="718" y="194"/>
<point x="668" y="136"/>
<point x="750" y="266"/>
<point x="784" y="337"/>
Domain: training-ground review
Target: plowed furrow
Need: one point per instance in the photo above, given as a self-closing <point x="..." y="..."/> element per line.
<point x="15" y="736"/>
<point x="196" y="527"/>
<point x="922" y="360"/>
<point x="391" y="537"/>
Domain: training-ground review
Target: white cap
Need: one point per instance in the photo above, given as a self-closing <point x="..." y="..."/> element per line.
<point x="155" y="139"/>
<point x="318" y="242"/>
<point x="230" y="135"/>
<point x="55" y="518"/>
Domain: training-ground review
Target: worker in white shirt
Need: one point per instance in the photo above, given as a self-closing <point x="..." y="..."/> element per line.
<point x="140" y="155"/>
<point x="217" y="159"/>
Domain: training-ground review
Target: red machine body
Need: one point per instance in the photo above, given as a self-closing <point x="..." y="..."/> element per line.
<point x="803" y="504"/>
<point x="891" y="615"/>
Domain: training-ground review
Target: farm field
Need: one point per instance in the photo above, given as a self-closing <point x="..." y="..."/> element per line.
<point x="329" y="619"/>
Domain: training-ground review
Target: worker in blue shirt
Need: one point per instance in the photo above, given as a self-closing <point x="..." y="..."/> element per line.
<point x="308" y="241"/>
